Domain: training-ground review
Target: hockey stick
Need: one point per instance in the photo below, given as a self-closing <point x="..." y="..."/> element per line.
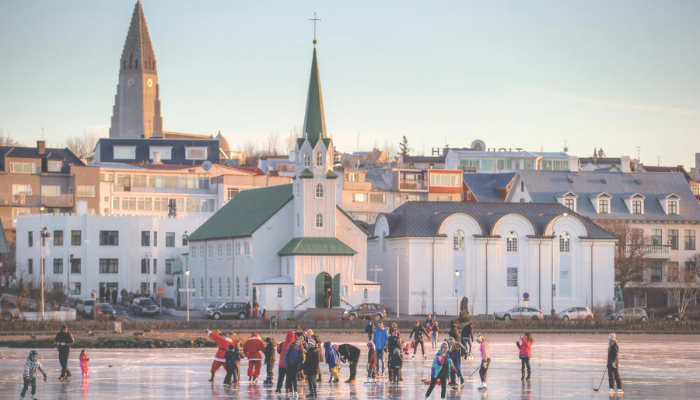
<point x="601" y="380"/>
<point x="477" y="368"/>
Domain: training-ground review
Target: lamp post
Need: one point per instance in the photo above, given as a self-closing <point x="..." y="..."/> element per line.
<point x="43" y="234"/>
<point x="457" y="274"/>
<point x="187" y="293"/>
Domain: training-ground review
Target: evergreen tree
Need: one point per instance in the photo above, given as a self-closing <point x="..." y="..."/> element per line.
<point x="404" y="150"/>
<point x="601" y="153"/>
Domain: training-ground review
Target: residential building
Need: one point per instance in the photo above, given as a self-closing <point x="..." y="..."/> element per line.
<point x="493" y="254"/>
<point x="422" y="162"/>
<point x="481" y="159"/>
<point x="190" y="152"/>
<point x="486" y="187"/>
<point x="366" y="159"/>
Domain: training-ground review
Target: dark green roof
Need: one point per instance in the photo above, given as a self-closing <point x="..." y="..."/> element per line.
<point x="322" y="246"/>
<point x="331" y="175"/>
<point x="245" y="213"/>
<point x="306" y="174"/>
<point x="314" y="120"/>
<point x="326" y="142"/>
<point x="4" y="248"/>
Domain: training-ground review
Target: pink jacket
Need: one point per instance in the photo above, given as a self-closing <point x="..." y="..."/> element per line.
<point x="525" y="346"/>
<point x="484" y="350"/>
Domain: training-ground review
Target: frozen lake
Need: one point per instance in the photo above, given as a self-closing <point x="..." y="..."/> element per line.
<point x="651" y="366"/>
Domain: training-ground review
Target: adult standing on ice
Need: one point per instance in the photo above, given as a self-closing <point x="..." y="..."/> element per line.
<point x="613" y="365"/>
<point x="485" y="360"/>
<point x="253" y="349"/>
<point x="220" y="356"/>
<point x="525" y="352"/>
<point x="281" y="350"/>
<point x="63" y="341"/>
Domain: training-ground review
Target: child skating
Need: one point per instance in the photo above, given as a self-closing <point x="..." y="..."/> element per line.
<point x="270" y="351"/>
<point x="485" y="360"/>
<point x="30" y="368"/>
<point x="333" y="361"/>
<point x="84" y="363"/>
<point x="396" y="363"/>
<point x="371" y="364"/>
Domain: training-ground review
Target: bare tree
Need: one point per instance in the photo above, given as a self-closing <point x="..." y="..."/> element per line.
<point x="83" y="145"/>
<point x="390" y="150"/>
<point x="7" y="140"/>
<point x="683" y="283"/>
<point x="272" y="143"/>
<point x="290" y="142"/>
<point x="630" y="251"/>
<point x="252" y="153"/>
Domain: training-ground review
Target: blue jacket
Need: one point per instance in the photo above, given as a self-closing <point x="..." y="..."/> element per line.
<point x="293" y="357"/>
<point x="332" y="355"/>
<point x="380" y="338"/>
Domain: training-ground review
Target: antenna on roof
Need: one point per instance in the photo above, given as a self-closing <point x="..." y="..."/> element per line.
<point x="639" y="152"/>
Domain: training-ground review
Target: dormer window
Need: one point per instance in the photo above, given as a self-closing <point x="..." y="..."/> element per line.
<point x="673" y="207"/>
<point x="669" y="203"/>
<point x="636" y="206"/>
<point x="54" y="165"/>
<point x="603" y="205"/>
<point x="570" y="204"/>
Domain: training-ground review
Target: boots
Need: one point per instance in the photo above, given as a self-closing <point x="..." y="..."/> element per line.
<point x="528" y="375"/>
<point x="522" y="374"/>
<point x="212" y="377"/>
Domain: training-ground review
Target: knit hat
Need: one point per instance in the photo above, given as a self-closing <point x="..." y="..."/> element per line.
<point x="612" y="336"/>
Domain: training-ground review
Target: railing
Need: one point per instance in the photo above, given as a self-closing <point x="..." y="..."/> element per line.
<point x="351" y="306"/>
<point x="149" y="189"/>
<point x="35" y="200"/>
<point x="307" y="299"/>
<point x="409" y="184"/>
<point x="468" y="169"/>
<point x="653" y="250"/>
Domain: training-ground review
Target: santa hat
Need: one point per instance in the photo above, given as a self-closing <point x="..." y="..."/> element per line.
<point x="228" y="339"/>
<point x="255" y="336"/>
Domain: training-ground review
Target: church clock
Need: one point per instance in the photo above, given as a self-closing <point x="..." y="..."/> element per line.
<point x="150" y="83"/>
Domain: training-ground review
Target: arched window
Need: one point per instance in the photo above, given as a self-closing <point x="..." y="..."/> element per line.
<point x="131" y="61"/>
<point x="319" y="220"/>
<point x="307" y="160"/>
<point x="458" y="240"/>
<point x="220" y="288"/>
<point x="279" y="293"/>
<point x="211" y="286"/>
<point x="201" y="293"/>
<point x="228" y="287"/>
<point x="366" y="294"/>
<point x="247" y="287"/>
<point x="345" y="290"/>
<point x="302" y="291"/>
<point x="287" y="267"/>
<point x="512" y="242"/>
<point x="319" y="159"/>
<point x="564" y="242"/>
<point x="298" y="221"/>
<point x="319" y="191"/>
<point x="238" y="288"/>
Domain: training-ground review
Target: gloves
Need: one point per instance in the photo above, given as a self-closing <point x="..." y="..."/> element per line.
<point x="44" y="377"/>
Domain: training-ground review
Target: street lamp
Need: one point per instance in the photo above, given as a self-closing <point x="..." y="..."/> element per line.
<point x="187" y="293"/>
<point x="457" y="274"/>
<point x="44" y="234"/>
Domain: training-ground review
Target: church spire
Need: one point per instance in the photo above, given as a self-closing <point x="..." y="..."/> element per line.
<point x="138" y="42"/>
<point x="314" y="119"/>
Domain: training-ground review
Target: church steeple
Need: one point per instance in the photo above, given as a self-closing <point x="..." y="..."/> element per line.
<point x="136" y="110"/>
<point x="314" y="119"/>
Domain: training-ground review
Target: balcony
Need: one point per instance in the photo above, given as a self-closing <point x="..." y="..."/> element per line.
<point x="166" y="190"/>
<point x="655" y="251"/>
<point x="411" y="184"/>
<point x="24" y="200"/>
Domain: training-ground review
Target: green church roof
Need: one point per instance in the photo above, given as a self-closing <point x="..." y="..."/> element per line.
<point x="306" y="174"/>
<point x="245" y="213"/>
<point x="331" y="175"/>
<point x="314" y="120"/>
<point x="321" y="246"/>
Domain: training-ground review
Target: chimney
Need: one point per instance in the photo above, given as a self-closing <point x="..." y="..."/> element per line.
<point x="41" y="146"/>
<point x="574" y="164"/>
<point x="625" y="164"/>
<point x="157" y="159"/>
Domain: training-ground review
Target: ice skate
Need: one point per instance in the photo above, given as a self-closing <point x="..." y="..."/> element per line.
<point x="374" y="382"/>
<point x="424" y="356"/>
<point x="21" y="397"/>
<point x="368" y="381"/>
<point x="413" y="357"/>
<point x="612" y="392"/>
<point x="212" y="377"/>
<point x="619" y="392"/>
<point x="33" y="397"/>
<point x="351" y="381"/>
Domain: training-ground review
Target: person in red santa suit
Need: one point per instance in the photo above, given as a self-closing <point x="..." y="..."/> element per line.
<point x="220" y="356"/>
<point x="253" y="349"/>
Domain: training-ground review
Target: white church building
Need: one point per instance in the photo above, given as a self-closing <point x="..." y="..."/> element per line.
<point x="286" y="246"/>
<point x="432" y="254"/>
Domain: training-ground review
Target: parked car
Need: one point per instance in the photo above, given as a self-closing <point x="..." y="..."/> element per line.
<point x="145" y="306"/>
<point x="103" y="311"/>
<point x="365" y="311"/>
<point x="84" y="306"/>
<point x="629" y="314"/>
<point x="229" y="310"/>
<point x="209" y="306"/>
<point x="10" y="311"/>
<point x="519" y="313"/>
<point x="576" y="313"/>
<point x="689" y="314"/>
<point x="68" y="303"/>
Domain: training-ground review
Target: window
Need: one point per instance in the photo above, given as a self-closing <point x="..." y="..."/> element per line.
<point x="564" y="242"/>
<point x="512" y="242"/>
<point x="656" y="271"/>
<point x="170" y="182"/>
<point x="444" y="198"/>
<point x="352" y="177"/>
<point x="673" y="238"/>
<point x="86" y="191"/>
<point x="359" y="197"/>
<point x="640" y="300"/>
<point x="145" y="238"/>
<point x="238" y="288"/>
<point x="247" y="287"/>
<point x="287" y="267"/>
<point x="25" y="168"/>
<point x="155" y="266"/>
<point x="211" y="286"/>
<point x="221" y="291"/>
<point x="689" y="240"/>
<point x="144" y="288"/>
<point x="192" y="204"/>
<point x="656" y="237"/>
<point x="107" y="177"/>
<point x="109" y="266"/>
<point x="346" y="290"/>
<point x="201" y="292"/>
<point x="165" y="152"/>
<point x="569" y="203"/>
<point x="76" y="238"/>
<point x="210" y="251"/>
<point x="22" y="190"/>
<point x="76" y="288"/>
<point x="58" y="238"/>
<point x="673" y="207"/>
<point x="636" y="206"/>
<point x="229" y="249"/>
<point x="30" y="266"/>
<point x="319" y="220"/>
<point x="30" y="239"/>
<point x="75" y="266"/>
<point x="298" y="221"/>
<point x="279" y="293"/>
<point x="145" y="266"/>
<point x="219" y="250"/>
<point x="247" y="249"/>
<point x="319" y="159"/>
<point x="512" y="276"/>
<point x="319" y="191"/>
<point x="193" y="251"/>
<point x="109" y="238"/>
<point x="169" y="239"/>
<point x="377" y="198"/>
<point x="124" y="152"/>
<point x="57" y="265"/>
<point x="196" y="153"/>
<point x="169" y="267"/>
<point x="366" y="294"/>
<point x="144" y="203"/>
<point x="302" y="291"/>
<point x="231" y="193"/>
<point x="185" y="239"/>
<point x="603" y="206"/>
<point x="307" y="161"/>
<point x="207" y="205"/>
<point x="237" y="246"/>
<point x="50" y="190"/>
<point x="458" y="241"/>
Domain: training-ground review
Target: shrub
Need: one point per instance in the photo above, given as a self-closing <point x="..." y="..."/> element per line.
<point x="464" y="316"/>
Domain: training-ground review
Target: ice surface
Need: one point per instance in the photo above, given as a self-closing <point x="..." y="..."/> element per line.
<point x="564" y="366"/>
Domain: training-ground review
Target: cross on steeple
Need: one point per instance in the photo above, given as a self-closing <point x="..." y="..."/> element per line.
<point x="314" y="19"/>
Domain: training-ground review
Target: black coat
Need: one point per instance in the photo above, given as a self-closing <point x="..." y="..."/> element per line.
<point x="312" y="361"/>
<point x="270" y="353"/>
<point x="349" y="352"/>
<point x="64" y="337"/>
<point x="468" y="332"/>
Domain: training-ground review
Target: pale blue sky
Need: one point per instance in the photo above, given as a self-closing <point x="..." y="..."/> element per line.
<point x="531" y="74"/>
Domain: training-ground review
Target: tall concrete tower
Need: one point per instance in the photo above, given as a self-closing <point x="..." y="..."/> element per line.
<point x="136" y="112"/>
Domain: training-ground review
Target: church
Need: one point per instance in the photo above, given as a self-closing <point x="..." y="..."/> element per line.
<point x="286" y="246"/>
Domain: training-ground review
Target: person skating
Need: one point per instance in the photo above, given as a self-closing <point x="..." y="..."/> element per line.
<point x="233" y="361"/>
<point x="440" y="370"/>
<point x="381" y="336"/>
<point x="485" y="359"/>
<point x="293" y="358"/>
<point x="351" y="355"/>
<point x="524" y="345"/>
<point x="83" y="358"/>
<point x="63" y="341"/>
<point x="396" y="363"/>
<point x="253" y="349"/>
<point x="220" y="356"/>
<point x="29" y="376"/>
<point x="393" y="343"/>
<point x="270" y="350"/>
<point x="454" y="331"/>
<point x="613" y="365"/>
<point x="371" y="363"/>
<point x="313" y="336"/>
<point x="456" y="352"/>
<point x="369" y="330"/>
<point x="333" y="361"/>
<point x="434" y="334"/>
<point x="468" y="338"/>
<point x="282" y="369"/>
<point x="311" y="366"/>
<point x="417" y="333"/>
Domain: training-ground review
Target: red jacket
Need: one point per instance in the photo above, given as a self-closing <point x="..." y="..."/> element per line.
<point x="525" y="346"/>
<point x="282" y="348"/>
<point x="253" y="348"/>
<point x="222" y="344"/>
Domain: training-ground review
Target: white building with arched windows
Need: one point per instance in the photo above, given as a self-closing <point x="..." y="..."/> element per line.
<point x="492" y="254"/>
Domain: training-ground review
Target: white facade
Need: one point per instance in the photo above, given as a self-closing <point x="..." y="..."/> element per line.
<point x="95" y="262"/>
<point x="506" y="160"/>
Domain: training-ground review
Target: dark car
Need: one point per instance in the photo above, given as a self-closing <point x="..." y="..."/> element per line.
<point x="689" y="314"/>
<point x="365" y="311"/>
<point x="103" y="311"/>
<point x="229" y="310"/>
<point x="10" y="311"/>
<point x="145" y="306"/>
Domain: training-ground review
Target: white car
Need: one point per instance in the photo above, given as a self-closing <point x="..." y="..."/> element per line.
<point x="210" y="306"/>
<point x="584" y="313"/>
<point x="84" y="306"/>
<point x="519" y="313"/>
